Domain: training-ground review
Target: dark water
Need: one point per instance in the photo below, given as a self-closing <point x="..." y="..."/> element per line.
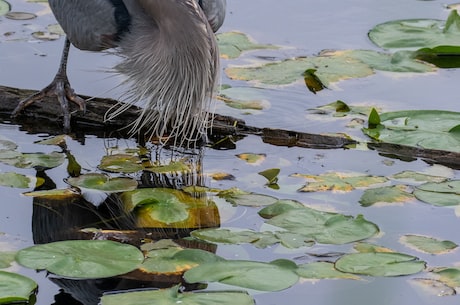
<point x="304" y="27"/>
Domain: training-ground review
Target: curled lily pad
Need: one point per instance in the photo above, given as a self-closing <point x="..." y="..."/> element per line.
<point x="82" y="258"/>
<point x="173" y="296"/>
<point x="103" y="183"/>
<point x="379" y="264"/>
<point x="15" y="288"/>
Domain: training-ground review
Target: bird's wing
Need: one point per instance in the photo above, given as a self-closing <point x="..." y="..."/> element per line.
<point x="91" y="25"/>
<point x="214" y="11"/>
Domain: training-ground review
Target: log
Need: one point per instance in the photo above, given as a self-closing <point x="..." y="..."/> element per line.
<point x="45" y="117"/>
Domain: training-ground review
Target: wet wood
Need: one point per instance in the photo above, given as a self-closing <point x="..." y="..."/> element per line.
<point x="45" y="117"/>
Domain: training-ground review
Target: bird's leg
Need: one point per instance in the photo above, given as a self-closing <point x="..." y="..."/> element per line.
<point x="59" y="87"/>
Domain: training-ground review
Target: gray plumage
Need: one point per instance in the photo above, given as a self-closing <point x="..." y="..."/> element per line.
<point x="169" y="55"/>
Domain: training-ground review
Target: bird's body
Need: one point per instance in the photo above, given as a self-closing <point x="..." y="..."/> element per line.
<point x="169" y="54"/>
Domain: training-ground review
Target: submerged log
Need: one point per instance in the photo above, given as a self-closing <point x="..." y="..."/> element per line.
<point x="45" y="117"/>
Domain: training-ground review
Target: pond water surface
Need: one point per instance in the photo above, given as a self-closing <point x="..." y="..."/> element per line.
<point x="303" y="28"/>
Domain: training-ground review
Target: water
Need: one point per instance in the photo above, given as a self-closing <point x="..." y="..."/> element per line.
<point x="303" y="28"/>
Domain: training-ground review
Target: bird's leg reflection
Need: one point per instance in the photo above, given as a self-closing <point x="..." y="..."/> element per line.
<point x="59" y="87"/>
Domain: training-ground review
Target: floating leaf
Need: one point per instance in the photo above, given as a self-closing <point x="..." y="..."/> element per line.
<point x="341" y="109"/>
<point x="173" y="296"/>
<point x="254" y="159"/>
<point x="232" y="44"/>
<point x="15" y="288"/>
<point x="427" y="129"/>
<point x="6" y="258"/>
<point x="121" y="163"/>
<point x="440" y="194"/>
<point x="441" y="56"/>
<point x="379" y="264"/>
<point x="428" y="244"/>
<point x="417" y="33"/>
<point x="19" y="181"/>
<point x="386" y="194"/>
<point x="82" y="258"/>
<point x="271" y="175"/>
<point x="411" y="176"/>
<point x="103" y="183"/>
<point x="53" y="194"/>
<point x="245" y="98"/>
<point x="335" y="181"/>
<point x="274" y="276"/>
<point x="6" y="145"/>
<point x="324" y="227"/>
<point x="5" y="7"/>
<point x="323" y="270"/>
<point x="449" y="275"/>
<point x="31" y="160"/>
<point x="238" y="197"/>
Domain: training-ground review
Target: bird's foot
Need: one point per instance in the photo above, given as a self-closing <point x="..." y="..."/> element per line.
<point x="60" y="88"/>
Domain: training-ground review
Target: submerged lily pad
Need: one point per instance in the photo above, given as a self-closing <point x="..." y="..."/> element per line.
<point x="173" y="296"/>
<point x="273" y="276"/>
<point x="379" y="264"/>
<point x="428" y="244"/>
<point x="103" y="183"/>
<point x="232" y="44"/>
<point x="82" y="258"/>
<point x="15" y="288"/>
<point x="429" y="129"/>
<point x="417" y="33"/>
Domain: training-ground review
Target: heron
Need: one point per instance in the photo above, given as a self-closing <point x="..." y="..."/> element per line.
<point x="169" y="56"/>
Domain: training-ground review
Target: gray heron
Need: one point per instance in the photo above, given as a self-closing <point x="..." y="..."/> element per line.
<point x="169" y="54"/>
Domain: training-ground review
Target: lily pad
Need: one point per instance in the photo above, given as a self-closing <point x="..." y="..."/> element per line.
<point x="449" y="275"/>
<point x="244" y="98"/>
<point x="83" y="259"/>
<point x="439" y="194"/>
<point x="15" y="288"/>
<point x="273" y="276"/>
<point x="363" y="247"/>
<point x="173" y="296"/>
<point x="238" y="197"/>
<point x="31" y="160"/>
<point x="428" y="129"/>
<point x="334" y="181"/>
<point x="379" y="264"/>
<point x="121" y="163"/>
<point x="53" y="194"/>
<point x="428" y="244"/>
<point x="323" y="270"/>
<point x="5" y="7"/>
<point x="6" y="258"/>
<point x="417" y="33"/>
<point x="441" y="56"/>
<point x="232" y="44"/>
<point x="253" y="159"/>
<point x="271" y="175"/>
<point x="387" y="194"/>
<point x="19" y="181"/>
<point x="433" y="287"/>
<point x="103" y="183"/>
<point x="324" y="227"/>
<point x="342" y="109"/>
<point x="416" y="177"/>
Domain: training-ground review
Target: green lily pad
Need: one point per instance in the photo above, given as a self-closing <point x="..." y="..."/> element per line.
<point x="416" y="177"/>
<point x="428" y="244"/>
<point x="161" y="204"/>
<point x="387" y="194"/>
<point x="6" y="258"/>
<point x="428" y="129"/>
<point x="441" y="56"/>
<point x="324" y="227"/>
<point x="15" y="288"/>
<point x="273" y="276"/>
<point x="379" y="264"/>
<point x="342" y="109"/>
<point x="244" y="98"/>
<point x="173" y="296"/>
<point x="176" y="260"/>
<point x="448" y="275"/>
<point x="5" y="7"/>
<point x="232" y="44"/>
<point x="19" y="181"/>
<point x="239" y="197"/>
<point x="83" y="259"/>
<point x="31" y="160"/>
<point x="417" y="33"/>
<point x="439" y="194"/>
<point x="334" y="181"/>
<point x="323" y="270"/>
<point x="121" y="163"/>
<point x="103" y="183"/>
